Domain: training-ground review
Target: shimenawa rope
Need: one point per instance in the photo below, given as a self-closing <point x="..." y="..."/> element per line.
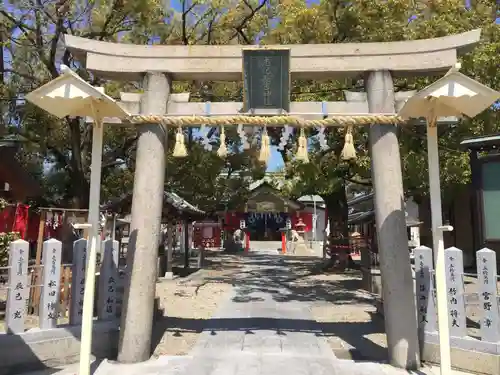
<point x="266" y="120"/>
<point x="348" y="122"/>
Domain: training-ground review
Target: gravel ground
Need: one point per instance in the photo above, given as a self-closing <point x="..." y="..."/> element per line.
<point x="349" y="313"/>
<point x="348" y="317"/>
<point x="188" y="304"/>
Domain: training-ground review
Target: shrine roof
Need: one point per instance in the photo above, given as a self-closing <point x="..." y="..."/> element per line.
<point x="360" y="217"/>
<point x="360" y="199"/>
<point x="175" y="205"/>
<point x="265" y="187"/>
<point x="482" y="143"/>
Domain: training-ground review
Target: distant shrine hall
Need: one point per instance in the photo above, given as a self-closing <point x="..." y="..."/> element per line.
<point x="266" y="213"/>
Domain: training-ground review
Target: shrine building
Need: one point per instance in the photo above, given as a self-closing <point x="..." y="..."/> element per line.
<point x="266" y="213"/>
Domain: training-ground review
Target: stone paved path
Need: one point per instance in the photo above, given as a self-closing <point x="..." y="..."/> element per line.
<point x="255" y="332"/>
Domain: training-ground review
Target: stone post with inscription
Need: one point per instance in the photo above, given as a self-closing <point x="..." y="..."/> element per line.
<point x="455" y="285"/>
<point x="51" y="279"/>
<point x="424" y="293"/>
<point x="488" y="295"/>
<point x="18" y="293"/>
<point x="108" y="281"/>
<point x="80" y="260"/>
<point x="397" y="287"/>
<point x="147" y="204"/>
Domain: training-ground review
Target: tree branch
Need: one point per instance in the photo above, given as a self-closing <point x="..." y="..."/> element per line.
<point x="246" y="19"/>
<point x="185" y="12"/>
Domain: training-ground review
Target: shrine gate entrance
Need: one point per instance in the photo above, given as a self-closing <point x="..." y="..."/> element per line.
<point x="266" y="69"/>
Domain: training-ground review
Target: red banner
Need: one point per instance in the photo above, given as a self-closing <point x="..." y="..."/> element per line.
<point x="207" y="234"/>
<point x="15" y="219"/>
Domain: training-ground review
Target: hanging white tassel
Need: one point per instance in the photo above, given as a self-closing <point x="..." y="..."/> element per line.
<point x="265" y="147"/>
<point x="180" y="150"/>
<point x="222" y="151"/>
<point x="348" y="152"/>
<point x="302" y="154"/>
<point x="48" y="218"/>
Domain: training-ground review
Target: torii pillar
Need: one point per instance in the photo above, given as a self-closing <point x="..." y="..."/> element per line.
<point x="397" y="279"/>
<point x="147" y="204"/>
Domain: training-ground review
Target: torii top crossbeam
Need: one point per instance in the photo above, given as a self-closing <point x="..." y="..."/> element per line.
<point x="312" y="61"/>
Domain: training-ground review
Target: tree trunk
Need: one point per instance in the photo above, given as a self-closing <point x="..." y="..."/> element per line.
<point x="78" y="164"/>
<point x="338" y="212"/>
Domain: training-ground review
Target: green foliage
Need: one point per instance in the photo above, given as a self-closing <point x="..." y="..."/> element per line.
<point x="5" y="240"/>
<point x="393" y="20"/>
<point x="61" y="149"/>
<point x="33" y="36"/>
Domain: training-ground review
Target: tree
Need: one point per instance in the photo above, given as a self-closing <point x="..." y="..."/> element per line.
<point x="365" y="21"/>
<point x="32" y="34"/>
<point x="211" y="182"/>
<point x="33" y="50"/>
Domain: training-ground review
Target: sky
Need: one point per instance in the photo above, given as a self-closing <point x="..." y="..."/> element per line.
<point x="275" y="162"/>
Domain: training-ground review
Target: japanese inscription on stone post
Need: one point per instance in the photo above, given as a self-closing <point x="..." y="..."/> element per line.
<point x="266" y="79"/>
<point x="108" y="281"/>
<point x="49" y="310"/>
<point x="455" y="286"/>
<point x="80" y="261"/>
<point x="488" y="301"/>
<point x="424" y="284"/>
<point x="18" y="286"/>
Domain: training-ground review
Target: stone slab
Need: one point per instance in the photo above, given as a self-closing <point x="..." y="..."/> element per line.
<point x="17" y="295"/>
<point x="317" y="61"/>
<point x="37" y="349"/>
<point x="51" y="279"/>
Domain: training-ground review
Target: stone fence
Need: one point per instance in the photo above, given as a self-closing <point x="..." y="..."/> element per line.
<point x="50" y="312"/>
<point x="475" y="341"/>
<point x="52" y="337"/>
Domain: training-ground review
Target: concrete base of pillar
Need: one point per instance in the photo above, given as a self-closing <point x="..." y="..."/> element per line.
<point x="464" y="354"/>
<point x="168" y="276"/>
<point x="372" y="281"/>
<point x="38" y="349"/>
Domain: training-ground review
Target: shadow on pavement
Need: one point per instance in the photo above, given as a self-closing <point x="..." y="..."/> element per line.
<point x="285" y="279"/>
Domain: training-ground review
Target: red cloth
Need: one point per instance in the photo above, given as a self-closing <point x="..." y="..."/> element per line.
<point x="15" y="219"/>
<point x="7" y="219"/>
<point x="20" y="224"/>
<point x="232" y="220"/>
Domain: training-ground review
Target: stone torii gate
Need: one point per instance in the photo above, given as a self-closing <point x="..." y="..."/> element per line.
<point x="157" y="66"/>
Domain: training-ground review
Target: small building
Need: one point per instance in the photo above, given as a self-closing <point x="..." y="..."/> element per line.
<point x="175" y="210"/>
<point x="472" y="209"/>
<point x="266" y="212"/>
<point x="362" y="219"/>
<point x="315" y="205"/>
<point x="475" y="208"/>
